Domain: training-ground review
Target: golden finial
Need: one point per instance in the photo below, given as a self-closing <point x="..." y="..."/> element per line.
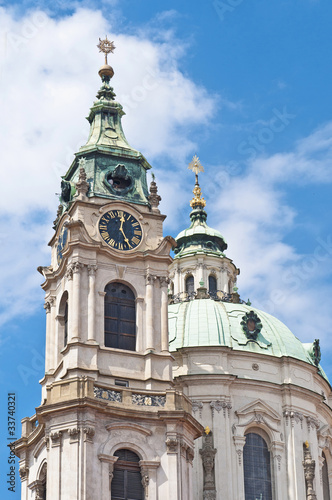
<point x="196" y="166"/>
<point x="207" y="430"/>
<point x="306" y="444"/>
<point x="106" y="47"/>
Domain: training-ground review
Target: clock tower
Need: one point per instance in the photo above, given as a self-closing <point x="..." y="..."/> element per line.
<point x="111" y="425"/>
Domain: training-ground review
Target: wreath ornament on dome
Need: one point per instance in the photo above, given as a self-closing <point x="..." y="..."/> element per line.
<point x="251" y="325"/>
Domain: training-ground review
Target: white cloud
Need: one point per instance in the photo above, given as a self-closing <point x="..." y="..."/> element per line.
<point x="49" y="78"/>
<point x="255" y="218"/>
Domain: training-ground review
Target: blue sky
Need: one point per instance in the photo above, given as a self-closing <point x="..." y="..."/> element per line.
<point x="244" y="84"/>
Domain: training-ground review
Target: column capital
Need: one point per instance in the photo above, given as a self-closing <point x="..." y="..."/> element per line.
<point x="92" y="269"/>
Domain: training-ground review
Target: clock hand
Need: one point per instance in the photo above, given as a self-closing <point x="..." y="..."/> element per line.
<point x="122" y="231"/>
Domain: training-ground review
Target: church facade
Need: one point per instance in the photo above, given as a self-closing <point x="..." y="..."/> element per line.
<point x="160" y="382"/>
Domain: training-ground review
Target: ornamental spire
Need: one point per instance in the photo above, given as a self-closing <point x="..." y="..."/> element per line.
<point x="196" y="166"/>
<point x="106" y="71"/>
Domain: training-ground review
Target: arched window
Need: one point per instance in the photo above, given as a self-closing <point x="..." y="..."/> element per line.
<point x="65" y="320"/>
<point x="190" y="284"/>
<point x="212" y="284"/>
<point x="42" y="483"/>
<point x="257" y="468"/>
<point x="127" y="480"/>
<point x="120" y="317"/>
<point x="325" y="478"/>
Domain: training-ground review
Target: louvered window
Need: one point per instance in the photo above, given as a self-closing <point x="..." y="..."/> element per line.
<point x="127" y="481"/>
<point x="120" y="317"/>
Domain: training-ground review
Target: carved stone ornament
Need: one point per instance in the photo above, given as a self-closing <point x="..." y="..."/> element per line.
<point x="315" y="352"/>
<point x="251" y="325"/>
<point x="49" y="303"/>
<point x="197" y="406"/>
<point x="172" y="444"/>
<point x="312" y="423"/>
<point x="221" y="405"/>
<point x="145" y="480"/>
<point x="309" y="472"/>
<point x="56" y="438"/>
<point x="154" y="197"/>
<point x="92" y="269"/>
<point x="293" y="416"/>
<point x="82" y="186"/>
<point x="24" y="472"/>
<point x="89" y="432"/>
<point x="207" y="453"/>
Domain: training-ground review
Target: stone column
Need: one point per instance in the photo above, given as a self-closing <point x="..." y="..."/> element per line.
<point x="76" y="303"/>
<point x="54" y="465"/>
<point x="139" y="324"/>
<point x="239" y="442"/>
<point x="149" y="478"/>
<point x="49" y="332"/>
<point x="149" y="346"/>
<point x="92" y="269"/>
<point x="107" y="466"/>
<point x="164" y="313"/>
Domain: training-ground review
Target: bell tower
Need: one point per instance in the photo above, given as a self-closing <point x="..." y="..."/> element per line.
<point x="110" y="425"/>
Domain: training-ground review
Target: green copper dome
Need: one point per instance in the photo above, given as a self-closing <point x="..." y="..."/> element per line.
<point x="206" y="322"/>
<point x="199" y="238"/>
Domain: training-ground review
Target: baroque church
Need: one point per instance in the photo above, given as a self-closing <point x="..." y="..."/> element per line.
<point x="160" y="382"/>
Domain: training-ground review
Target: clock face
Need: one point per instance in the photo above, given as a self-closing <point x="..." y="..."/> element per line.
<point x="61" y="244"/>
<point x="120" y="230"/>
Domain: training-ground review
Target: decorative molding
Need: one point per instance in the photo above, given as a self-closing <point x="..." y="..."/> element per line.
<point x="187" y="451"/>
<point x="312" y="423"/>
<point x="145" y="480"/>
<point x="74" y="434"/>
<point x="107" y="394"/>
<point x="89" y="432"/>
<point x="221" y="405"/>
<point x="239" y="442"/>
<point x="92" y="269"/>
<point x="150" y="279"/>
<point x="164" y="281"/>
<point x="144" y="400"/>
<point x="24" y="473"/>
<point x="120" y="271"/>
<point x="56" y="438"/>
<point x="293" y="416"/>
<point x="49" y="302"/>
<point x="172" y="444"/>
<point x="197" y="406"/>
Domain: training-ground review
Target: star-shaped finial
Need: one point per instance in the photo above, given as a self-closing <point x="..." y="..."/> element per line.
<point x="195" y="165"/>
<point x="82" y="162"/>
<point x="106" y="46"/>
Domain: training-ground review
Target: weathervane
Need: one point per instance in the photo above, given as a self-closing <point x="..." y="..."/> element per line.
<point x="106" y="46"/>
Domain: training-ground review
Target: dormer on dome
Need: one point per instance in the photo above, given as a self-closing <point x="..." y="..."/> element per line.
<point x="199" y="262"/>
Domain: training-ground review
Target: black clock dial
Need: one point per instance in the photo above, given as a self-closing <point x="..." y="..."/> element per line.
<point x="61" y="244"/>
<point x="120" y="230"/>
